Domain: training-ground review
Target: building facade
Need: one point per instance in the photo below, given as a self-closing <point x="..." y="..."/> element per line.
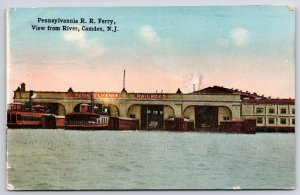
<point x="206" y="108"/>
<point x="270" y="112"/>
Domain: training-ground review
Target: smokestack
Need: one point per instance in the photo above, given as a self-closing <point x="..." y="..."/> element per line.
<point x="30" y="99"/>
<point x="193" y="87"/>
<point x="92" y="102"/>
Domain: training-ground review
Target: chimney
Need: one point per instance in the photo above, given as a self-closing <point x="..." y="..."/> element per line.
<point x="23" y="87"/>
<point x="178" y="91"/>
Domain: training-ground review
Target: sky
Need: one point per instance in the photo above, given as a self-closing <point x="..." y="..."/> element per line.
<point x="161" y="48"/>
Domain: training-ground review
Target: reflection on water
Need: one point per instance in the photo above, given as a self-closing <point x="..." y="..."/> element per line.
<point x="59" y="159"/>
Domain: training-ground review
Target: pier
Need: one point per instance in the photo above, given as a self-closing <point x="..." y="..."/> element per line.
<point x="202" y="110"/>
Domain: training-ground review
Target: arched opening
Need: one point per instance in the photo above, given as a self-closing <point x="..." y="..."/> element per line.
<point x="224" y="113"/>
<point x="113" y="110"/>
<point x="61" y="110"/>
<point x="151" y="117"/>
<point x="207" y="117"/>
<point x="189" y="112"/>
<point x="168" y="112"/>
<point x="134" y="111"/>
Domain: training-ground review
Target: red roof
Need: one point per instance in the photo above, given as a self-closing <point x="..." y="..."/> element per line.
<point x="269" y="101"/>
<point x="215" y="90"/>
<point x="246" y="96"/>
<point x="223" y="90"/>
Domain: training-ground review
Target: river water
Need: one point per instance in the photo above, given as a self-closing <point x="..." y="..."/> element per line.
<point x="73" y="160"/>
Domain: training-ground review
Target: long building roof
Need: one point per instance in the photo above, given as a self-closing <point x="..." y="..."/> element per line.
<point x="223" y="90"/>
<point x="246" y="96"/>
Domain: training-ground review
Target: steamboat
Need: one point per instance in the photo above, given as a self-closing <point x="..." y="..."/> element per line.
<point x="86" y="119"/>
<point x="18" y="116"/>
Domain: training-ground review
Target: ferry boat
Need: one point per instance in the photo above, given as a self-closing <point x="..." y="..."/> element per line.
<point x="18" y="116"/>
<point x="85" y="120"/>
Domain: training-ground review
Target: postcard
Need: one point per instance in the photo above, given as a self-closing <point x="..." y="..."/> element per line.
<point x="151" y="98"/>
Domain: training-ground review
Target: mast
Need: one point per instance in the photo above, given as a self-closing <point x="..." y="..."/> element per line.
<point x="124" y="90"/>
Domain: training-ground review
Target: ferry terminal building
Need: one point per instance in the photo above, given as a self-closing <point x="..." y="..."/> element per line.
<point x="206" y="107"/>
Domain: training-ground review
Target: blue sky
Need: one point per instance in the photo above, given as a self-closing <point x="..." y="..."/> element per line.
<point x="162" y="48"/>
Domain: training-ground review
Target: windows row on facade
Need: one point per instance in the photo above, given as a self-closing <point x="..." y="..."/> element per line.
<point x="275" y="121"/>
<point x="269" y="109"/>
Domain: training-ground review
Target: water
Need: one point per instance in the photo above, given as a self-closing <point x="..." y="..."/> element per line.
<point x="59" y="159"/>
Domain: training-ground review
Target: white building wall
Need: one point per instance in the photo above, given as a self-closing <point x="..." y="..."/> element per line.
<point x="282" y="115"/>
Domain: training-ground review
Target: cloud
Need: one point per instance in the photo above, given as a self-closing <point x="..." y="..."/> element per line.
<point x="240" y="37"/>
<point x="149" y="35"/>
<point x="74" y="36"/>
<point x="89" y="47"/>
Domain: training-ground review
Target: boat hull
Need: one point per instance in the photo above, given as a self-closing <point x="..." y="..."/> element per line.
<point x="87" y="127"/>
<point x="23" y="126"/>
